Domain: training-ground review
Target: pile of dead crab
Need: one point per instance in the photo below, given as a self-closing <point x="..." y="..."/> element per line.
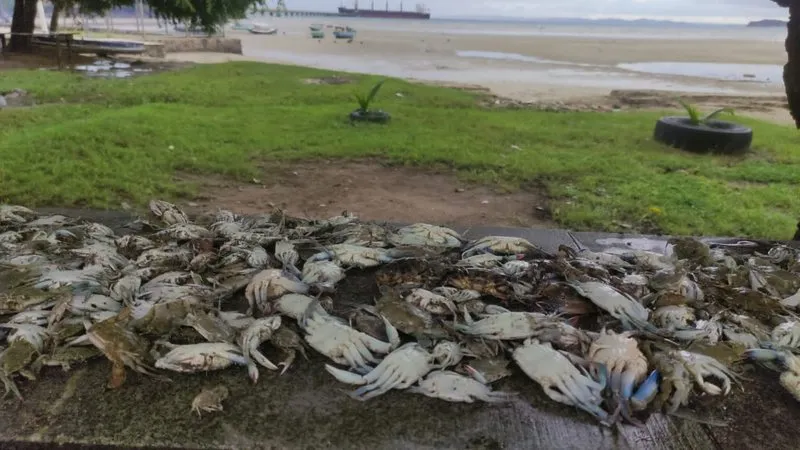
<point x="616" y="334"/>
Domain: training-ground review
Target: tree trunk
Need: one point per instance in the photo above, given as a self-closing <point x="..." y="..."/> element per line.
<point x="22" y="24"/>
<point x="791" y="71"/>
<point x="57" y="8"/>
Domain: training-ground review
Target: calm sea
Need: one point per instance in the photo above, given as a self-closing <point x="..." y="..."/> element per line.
<point x="634" y="30"/>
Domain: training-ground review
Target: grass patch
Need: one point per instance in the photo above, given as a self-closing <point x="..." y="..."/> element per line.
<point x="101" y="142"/>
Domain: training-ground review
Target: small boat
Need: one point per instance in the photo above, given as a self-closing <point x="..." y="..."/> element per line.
<point x="99" y="46"/>
<point x="317" y="34"/>
<point x="316" y="26"/>
<point x="240" y="26"/>
<point x="344" y="33"/>
<point x="261" y="29"/>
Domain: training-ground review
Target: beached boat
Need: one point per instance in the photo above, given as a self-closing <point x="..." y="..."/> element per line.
<point x="316" y="26"/>
<point x="317" y="34"/>
<point x="261" y="29"/>
<point x="96" y="45"/>
<point x="344" y="33"/>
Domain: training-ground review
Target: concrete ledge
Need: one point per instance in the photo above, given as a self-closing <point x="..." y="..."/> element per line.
<point x="202" y="44"/>
<point x="306" y="408"/>
<point x="154" y="50"/>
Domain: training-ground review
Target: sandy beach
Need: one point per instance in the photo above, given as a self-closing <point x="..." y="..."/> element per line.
<point x="534" y="63"/>
<point x="539" y="64"/>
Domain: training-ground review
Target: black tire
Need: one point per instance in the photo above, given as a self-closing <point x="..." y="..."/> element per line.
<point x="377" y="116"/>
<point x="715" y="136"/>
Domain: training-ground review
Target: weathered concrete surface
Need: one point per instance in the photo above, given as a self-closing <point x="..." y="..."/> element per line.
<point x="306" y="408"/>
<point x="154" y="49"/>
<point x="202" y="44"/>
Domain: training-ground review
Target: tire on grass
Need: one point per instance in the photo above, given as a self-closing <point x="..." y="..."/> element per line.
<point x="714" y="136"/>
<point x="376" y="116"/>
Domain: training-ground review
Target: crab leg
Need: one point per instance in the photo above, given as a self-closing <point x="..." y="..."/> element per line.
<point x="710" y="387"/>
<point x="261" y="359"/>
<point x="375" y="389"/>
<point x="291" y="355"/>
<point x="353" y="357"/>
<point x="10" y="386"/>
<point x="571" y="393"/>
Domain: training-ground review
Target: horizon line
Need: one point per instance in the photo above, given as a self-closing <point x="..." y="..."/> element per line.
<point x="694" y="20"/>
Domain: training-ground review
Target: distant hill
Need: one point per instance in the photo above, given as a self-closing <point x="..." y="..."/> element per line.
<point x="767" y="23"/>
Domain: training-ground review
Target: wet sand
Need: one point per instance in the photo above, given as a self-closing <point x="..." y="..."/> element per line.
<point x="553" y="63"/>
<point x="527" y="63"/>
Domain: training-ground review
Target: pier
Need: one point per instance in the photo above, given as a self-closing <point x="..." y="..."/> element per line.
<point x="304" y="14"/>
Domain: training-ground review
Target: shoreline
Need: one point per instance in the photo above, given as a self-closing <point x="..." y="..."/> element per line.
<point x="527" y="64"/>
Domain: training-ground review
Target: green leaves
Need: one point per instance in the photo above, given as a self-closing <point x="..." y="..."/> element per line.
<point x="204" y="14"/>
<point x="694" y="113"/>
<point x="718" y="112"/>
<point x="364" y="102"/>
<point x="695" y="117"/>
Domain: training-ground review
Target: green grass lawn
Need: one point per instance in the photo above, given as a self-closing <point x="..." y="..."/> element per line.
<point x="99" y="142"/>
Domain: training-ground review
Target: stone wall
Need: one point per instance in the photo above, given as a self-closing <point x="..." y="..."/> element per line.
<point x="154" y="49"/>
<point x="202" y="44"/>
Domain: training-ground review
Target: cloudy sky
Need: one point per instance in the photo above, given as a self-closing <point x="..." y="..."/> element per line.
<point x="686" y="10"/>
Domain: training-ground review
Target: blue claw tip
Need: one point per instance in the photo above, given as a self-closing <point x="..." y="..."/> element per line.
<point x="627" y="386"/>
<point x="646" y="391"/>
<point x="601" y="373"/>
<point x="358" y="393"/>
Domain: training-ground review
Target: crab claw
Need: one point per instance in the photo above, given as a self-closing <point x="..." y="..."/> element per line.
<point x="764" y="355"/>
<point x="646" y="392"/>
<point x="600" y="373"/>
<point x="790" y="378"/>
<point x="768" y="357"/>
<point x="560" y="379"/>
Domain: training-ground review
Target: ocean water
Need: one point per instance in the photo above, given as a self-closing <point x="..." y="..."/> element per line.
<point x="759" y="73"/>
<point x="646" y="75"/>
<point x="697" y="32"/>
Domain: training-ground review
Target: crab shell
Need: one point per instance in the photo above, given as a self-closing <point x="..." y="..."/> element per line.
<point x="201" y="357"/>
<point x="559" y="378"/>
<point x="787" y="334"/>
<point x="621" y="355"/>
<point x="425" y="235"/>
<point x="506" y="326"/>
<point x="431" y="302"/>
<point x="673" y="317"/>
<point x="398" y="370"/>
<point x="344" y="345"/>
<point x="210" y="400"/>
<point x="454" y="387"/>
<point x="271" y="284"/>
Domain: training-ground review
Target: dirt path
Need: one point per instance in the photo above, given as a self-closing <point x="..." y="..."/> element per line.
<point x="374" y="192"/>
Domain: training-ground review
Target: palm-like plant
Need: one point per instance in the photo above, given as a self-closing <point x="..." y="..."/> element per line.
<point x="365" y="101"/>
<point x="696" y="118"/>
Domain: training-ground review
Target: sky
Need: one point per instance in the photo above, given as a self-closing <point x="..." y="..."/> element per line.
<point x="712" y="11"/>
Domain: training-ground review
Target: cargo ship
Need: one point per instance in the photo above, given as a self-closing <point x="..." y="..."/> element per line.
<point x="420" y="12"/>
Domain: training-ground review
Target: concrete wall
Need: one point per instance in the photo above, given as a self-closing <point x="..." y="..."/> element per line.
<point x="154" y="50"/>
<point x="202" y="44"/>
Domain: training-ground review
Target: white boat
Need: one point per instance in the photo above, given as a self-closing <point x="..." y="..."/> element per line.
<point x="96" y="45"/>
<point x="262" y="29"/>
